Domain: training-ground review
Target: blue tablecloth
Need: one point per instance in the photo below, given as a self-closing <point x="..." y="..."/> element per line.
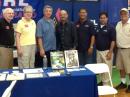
<point x="76" y="84"/>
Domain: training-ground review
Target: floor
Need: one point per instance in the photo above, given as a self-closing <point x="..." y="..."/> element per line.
<point x="121" y="93"/>
<point x="116" y="81"/>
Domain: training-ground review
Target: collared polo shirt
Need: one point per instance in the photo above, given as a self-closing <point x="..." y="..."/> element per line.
<point x="84" y="30"/>
<point x="123" y="35"/>
<point x="46" y="30"/>
<point x="27" y="30"/>
<point x="104" y="36"/>
<point x="6" y="33"/>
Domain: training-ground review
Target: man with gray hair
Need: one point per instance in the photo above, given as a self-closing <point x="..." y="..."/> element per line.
<point x="6" y="39"/>
<point x="123" y="44"/>
<point x="46" y="34"/>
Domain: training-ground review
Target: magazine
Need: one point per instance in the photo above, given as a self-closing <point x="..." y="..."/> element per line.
<point x="57" y="60"/>
<point x="71" y="59"/>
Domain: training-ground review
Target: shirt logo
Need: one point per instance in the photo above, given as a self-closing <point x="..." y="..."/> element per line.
<point x="7" y="27"/>
<point x="97" y="30"/>
<point x="77" y="26"/>
<point x="86" y="26"/>
<point x="105" y="30"/>
<point x="26" y="25"/>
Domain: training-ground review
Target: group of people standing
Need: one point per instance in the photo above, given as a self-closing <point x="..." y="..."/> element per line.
<point x="66" y="35"/>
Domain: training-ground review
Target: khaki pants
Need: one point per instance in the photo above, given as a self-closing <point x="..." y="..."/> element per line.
<point x="101" y="58"/>
<point x="123" y="60"/>
<point x="6" y="58"/>
<point x="28" y="57"/>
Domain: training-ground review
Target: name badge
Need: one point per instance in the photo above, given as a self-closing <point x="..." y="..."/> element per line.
<point x="26" y="25"/>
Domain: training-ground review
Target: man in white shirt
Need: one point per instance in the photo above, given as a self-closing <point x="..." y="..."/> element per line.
<point x="123" y="44"/>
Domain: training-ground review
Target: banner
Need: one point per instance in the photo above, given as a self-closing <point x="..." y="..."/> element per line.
<point x="128" y="4"/>
<point x="18" y="5"/>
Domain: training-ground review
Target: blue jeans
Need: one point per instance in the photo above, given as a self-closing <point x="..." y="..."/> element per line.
<point x="84" y="58"/>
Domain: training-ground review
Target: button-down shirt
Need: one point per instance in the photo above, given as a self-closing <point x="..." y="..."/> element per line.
<point x="123" y="35"/>
<point x="46" y="30"/>
<point x="66" y="36"/>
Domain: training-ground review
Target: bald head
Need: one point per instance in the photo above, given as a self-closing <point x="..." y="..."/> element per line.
<point x="8" y="14"/>
<point x="63" y="15"/>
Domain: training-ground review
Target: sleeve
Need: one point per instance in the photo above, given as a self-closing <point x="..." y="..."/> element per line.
<point x="39" y="30"/>
<point x="19" y="27"/>
<point x="92" y="28"/>
<point x="57" y="37"/>
<point x="113" y="34"/>
<point x="74" y="35"/>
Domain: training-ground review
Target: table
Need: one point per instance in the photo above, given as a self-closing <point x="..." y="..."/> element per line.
<point x="76" y="84"/>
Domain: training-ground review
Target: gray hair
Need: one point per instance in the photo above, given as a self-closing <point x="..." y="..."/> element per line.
<point x="47" y="6"/>
<point x="7" y="10"/>
<point x="28" y="8"/>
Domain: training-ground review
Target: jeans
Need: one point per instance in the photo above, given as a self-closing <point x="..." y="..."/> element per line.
<point x="84" y="58"/>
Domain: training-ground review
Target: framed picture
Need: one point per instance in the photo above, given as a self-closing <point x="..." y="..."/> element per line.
<point x="71" y="59"/>
<point x="57" y="60"/>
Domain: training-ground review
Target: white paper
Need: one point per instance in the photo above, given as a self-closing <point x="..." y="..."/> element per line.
<point x="51" y="74"/>
<point x="75" y="69"/>
<point x="16" y="76"/>
<point x="34" y="75"/>
<point x="5" y="72"/>
<point x="16" y="71"/>
<point x="2" y="76"/>
<point x="37" y="70"/>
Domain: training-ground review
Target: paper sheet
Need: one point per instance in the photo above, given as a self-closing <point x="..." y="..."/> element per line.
<point x="37" y="70"/>
<point x="2" y="77"/>
<point x="16" y="76"/>
<point x="51" y="74"/>
<point x="75" y="69"/>
<point x="34" y="75"/>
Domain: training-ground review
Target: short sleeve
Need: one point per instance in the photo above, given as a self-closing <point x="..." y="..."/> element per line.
<point x="113" y="34"/>
<point x="92" y="28"/>
<point x="19" y="27"/>
<point x="39" y="29"/>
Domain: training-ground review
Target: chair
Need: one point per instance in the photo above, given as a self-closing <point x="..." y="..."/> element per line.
<point x="7" y="92"/>
<point x="98" y="69"/>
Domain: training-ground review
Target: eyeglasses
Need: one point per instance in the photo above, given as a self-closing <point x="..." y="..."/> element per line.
<point x="28" y="12"/>
<point x="10" y="13"/>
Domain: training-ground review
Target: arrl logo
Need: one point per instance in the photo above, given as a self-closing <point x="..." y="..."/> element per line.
<point x="13" y="3"/>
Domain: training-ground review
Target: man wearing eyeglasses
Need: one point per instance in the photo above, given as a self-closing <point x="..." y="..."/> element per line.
<point x="6" y="39"/>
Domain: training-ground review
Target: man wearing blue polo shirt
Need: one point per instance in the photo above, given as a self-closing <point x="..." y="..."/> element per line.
<point x="85" y="31"/>
<point x="46" y="34"/>
<point x="105" y="38"/>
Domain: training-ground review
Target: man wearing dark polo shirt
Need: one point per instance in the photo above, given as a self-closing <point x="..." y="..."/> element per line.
<point x="85" y="31"/>
<point x="6" y="39"/>
<point x="66" y="35"/>
<point x="105" y="38"/>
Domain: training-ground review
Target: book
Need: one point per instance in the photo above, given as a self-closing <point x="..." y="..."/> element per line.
<point x="57" y="60"/>
<point x="71" y="59"/>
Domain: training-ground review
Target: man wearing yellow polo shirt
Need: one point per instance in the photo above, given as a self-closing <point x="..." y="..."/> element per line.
<point x="25" y="39"/>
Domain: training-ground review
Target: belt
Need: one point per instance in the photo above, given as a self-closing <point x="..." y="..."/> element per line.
<point x="124" y="48"/>
<point x="6" y="46"/>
